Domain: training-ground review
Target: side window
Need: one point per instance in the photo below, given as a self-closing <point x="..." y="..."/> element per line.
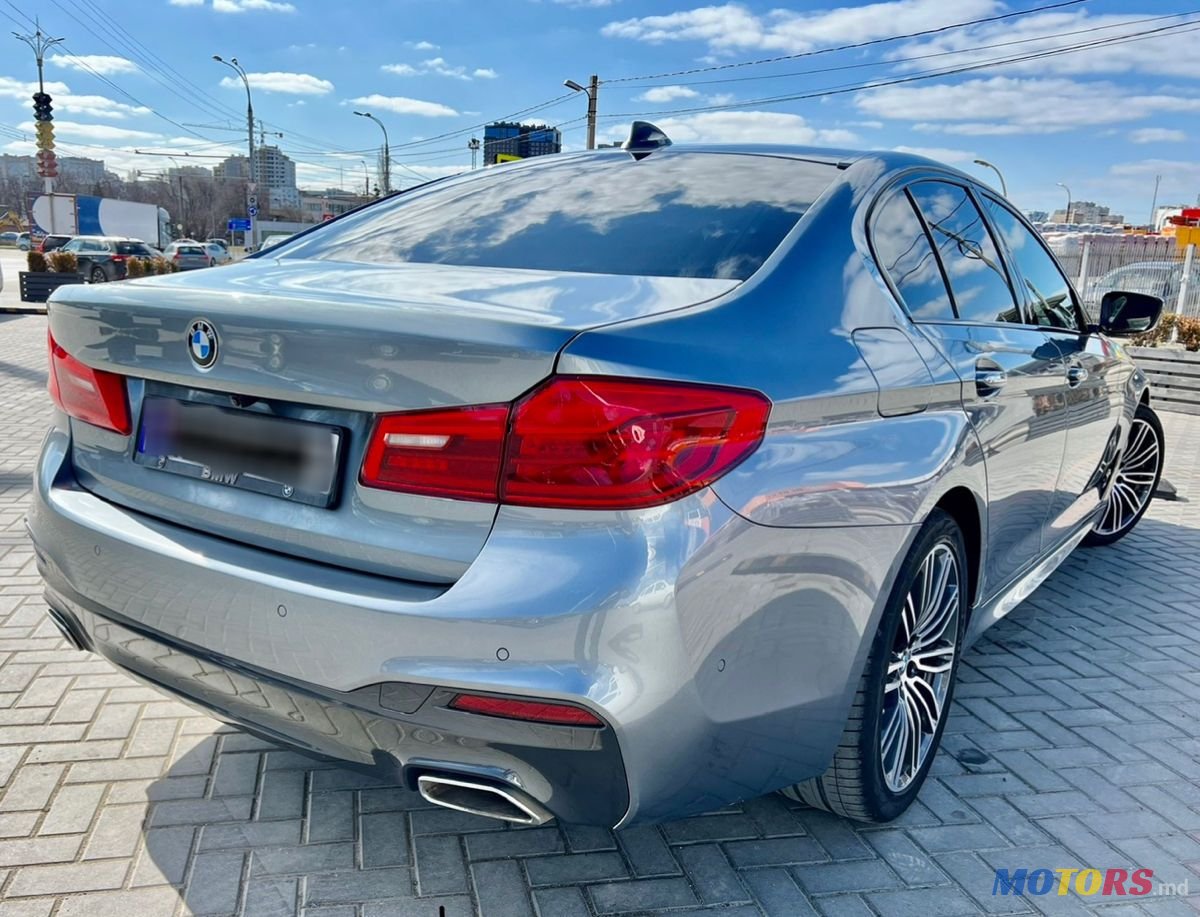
<point x="72" y="246"/>
<point x="903" y="252"/>
<point x="1047" y="292"/>
<point x="968" y="254"/>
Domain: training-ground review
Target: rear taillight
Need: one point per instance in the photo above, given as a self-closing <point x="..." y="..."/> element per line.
<point x="93" y="395"/>
<point x="117" y="259"/>
<point x="530" y="710"/>
<point x="444" y="453"/>
<point x="573" y="442"/>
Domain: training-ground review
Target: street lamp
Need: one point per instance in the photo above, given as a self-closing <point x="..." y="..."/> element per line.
<point x="387" y="152"/>
<point x="999" y="174"/>
<point x="366" y="179"/>
<point x="237" y="68"/>
<point x="182" y="202"/>
<point x="592" y="89"/>
<point x="1068" y="190"/>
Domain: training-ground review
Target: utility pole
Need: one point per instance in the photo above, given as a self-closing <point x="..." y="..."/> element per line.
<point x="593" y="91"/>
<point x="473" y="145"/>
<point x="252" y="187"/>
<point x="366" y="179"/>
<point x="1154" y="201"/>
<point x="39" y="43"/>
<point x="387" y="152"/>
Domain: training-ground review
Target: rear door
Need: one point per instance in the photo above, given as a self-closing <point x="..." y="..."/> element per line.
<point x="932" y="241"/>
<point x="1095" y="375"/>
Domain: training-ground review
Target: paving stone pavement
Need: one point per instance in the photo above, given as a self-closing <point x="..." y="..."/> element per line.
<point x="1074" y="742"/>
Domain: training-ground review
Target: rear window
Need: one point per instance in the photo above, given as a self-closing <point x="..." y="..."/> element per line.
<point x="673" y="214"/>
<point x="191" y="250"/>
<point x="133" y="248"/>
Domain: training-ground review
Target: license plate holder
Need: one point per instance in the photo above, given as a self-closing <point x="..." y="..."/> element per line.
<point x="293" y="460"/>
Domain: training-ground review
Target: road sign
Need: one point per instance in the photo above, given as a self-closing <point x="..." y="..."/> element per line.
<point x="253" y="211"/>
<point x="238" y="225"/>
<point x="252" y="200"/>
<point x="508" y="157"/>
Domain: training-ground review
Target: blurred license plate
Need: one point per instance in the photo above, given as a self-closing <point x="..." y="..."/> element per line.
<point x="290" y="459"/>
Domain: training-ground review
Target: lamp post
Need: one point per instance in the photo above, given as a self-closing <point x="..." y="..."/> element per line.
<point x="999" y="174"/>
<point x="39" y="43"/>
<point x="387" y="152"/>
<point x="473" y="145"/>
<point x="237" y="68"/>
<point x="592" y="89"/>
<point x="366" y="179"/>
<point x="1068" y="190"/>
<point x="182" y="202"/>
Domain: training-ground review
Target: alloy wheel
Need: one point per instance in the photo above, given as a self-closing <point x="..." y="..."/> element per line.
<point x="920" y="667"/>
<point x="1133" y="483"/>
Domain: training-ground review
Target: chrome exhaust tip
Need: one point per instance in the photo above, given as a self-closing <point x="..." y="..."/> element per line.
<point x="486" y="799"/>
<point x="67" y="627"/>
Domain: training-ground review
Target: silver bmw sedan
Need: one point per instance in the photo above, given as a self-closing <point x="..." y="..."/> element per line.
<point x="608" y="487"/>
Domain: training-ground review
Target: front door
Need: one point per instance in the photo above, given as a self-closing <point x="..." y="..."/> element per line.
<point x="1094" y="374"/>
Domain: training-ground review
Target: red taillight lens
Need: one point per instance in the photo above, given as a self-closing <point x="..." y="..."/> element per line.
<point x="117" y="259"/>
<point x="444" y="453"/>
<point x="601" y="443"/>
<point x="93" y="395"/>
<point x="574" y="442"/>
<point x="532" y="711"/>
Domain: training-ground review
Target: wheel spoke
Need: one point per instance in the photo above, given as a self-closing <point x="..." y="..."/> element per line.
<point x="914" y="739"/>
<point x="925" y="704"/>
<point x="935" y="660"/>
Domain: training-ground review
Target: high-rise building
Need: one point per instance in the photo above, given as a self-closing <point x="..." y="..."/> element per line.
<point x="275" y="169"/>
<point x="522" y="140"/>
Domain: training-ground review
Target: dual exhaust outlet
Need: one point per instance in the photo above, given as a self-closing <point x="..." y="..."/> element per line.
<point x="466" y="794"/>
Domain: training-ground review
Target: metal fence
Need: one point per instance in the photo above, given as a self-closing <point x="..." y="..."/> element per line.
<point x="1135" y="264"/>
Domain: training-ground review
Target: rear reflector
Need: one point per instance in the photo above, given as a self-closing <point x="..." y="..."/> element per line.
<point x="92" y="395"/>
<point x="574" y="442"/>
<point x="443" y="453"/>
<point x="530" y="710"/>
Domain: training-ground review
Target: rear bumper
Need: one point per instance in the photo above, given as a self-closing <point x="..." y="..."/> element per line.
<point x="723" y="655"/>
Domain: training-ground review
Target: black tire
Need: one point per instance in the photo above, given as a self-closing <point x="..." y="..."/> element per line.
<point x="97" y="275"/>
<point x="1107" y="529"/>
<point x="855" y="784"/>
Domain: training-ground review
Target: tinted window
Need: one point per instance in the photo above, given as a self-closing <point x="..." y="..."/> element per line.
<point x="969" y="256"/>
<point x="133" y="248"/>
<point x="903" y="252"/>
<point x="1047" y="292"/>
<point x="672" y="214"/>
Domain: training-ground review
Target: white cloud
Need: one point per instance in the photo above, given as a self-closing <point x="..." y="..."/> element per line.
<point x="243" y="6"/>
<point x="301" y="84"/>
<point x="667" y="94"/>
<point x="1018" y="106"/>
<point x="103" y="64"/>
<point x="438" y="66"/>
<point x="1169" y="53"/>
<point x="186" y="2"/>
<point x="732" y="27"/>
<point x="66" y="130"/>
<point x="744" y="127"/>
<point x="1158" y="135"/>
<point x="403" y="105"/>
<point x="422" y="45"/>
<point x="940" y="153"/>
<point x="66" y="101"/>
<point x="585" y="3"/>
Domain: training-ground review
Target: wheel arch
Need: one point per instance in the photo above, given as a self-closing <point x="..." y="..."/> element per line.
<point x="967" y="510"/>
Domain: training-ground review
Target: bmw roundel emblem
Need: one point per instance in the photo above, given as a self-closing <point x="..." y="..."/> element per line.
<point x="202" y="343"/>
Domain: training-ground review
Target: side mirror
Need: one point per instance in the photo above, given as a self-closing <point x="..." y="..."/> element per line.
<point x="1125" y="314"/>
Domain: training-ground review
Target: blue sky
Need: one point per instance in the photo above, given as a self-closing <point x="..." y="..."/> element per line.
<point x="1105" y="120"/>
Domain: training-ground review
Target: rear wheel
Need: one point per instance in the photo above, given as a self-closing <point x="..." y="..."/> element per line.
<point x="1134" y="481"/>
<point x="903" y="699"/>
<point x="98" y="275"/>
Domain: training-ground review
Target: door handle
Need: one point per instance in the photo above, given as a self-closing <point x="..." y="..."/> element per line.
<point x="1076" y="375"/>
<point x="989" y="381"/>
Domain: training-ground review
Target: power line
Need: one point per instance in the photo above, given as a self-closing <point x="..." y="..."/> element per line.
<point x="891" y="62"/>
<point x="925" y="75"/>
<point x="850" y="47"/>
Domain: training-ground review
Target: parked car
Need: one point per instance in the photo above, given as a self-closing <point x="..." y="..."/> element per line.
<point x="218" y="252"/>
<point x="53" y="242"/>
<point x="24" y="241"/>
<point x="272" y="241"/>
<point x="1158" y="278"/>
<point x="604" y="487"/>
<point x="189" y="255"/>
<point x="9" y="239"/>
<point x="104" y="258"/>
